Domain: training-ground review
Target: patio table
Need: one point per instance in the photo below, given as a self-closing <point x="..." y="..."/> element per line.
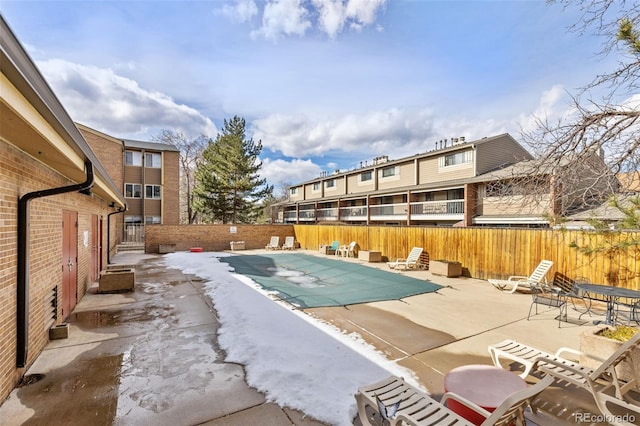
<point x="611" y="295"/>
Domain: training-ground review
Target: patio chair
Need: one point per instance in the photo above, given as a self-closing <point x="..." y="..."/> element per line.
<point x="543" y="294"/>
<point x="603" y="383"/>
<point x="274" y="244"/>
<point x="348" y="250"/>
<point x="288" y="243"/>
<point x="395" y="401"/>
<point x="515" y="281"/>
<point x="333" y="249"/>
<point x="411" y="261"/>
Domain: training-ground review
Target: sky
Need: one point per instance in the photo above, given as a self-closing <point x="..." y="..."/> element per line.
<point x="325" y="85"/>
<point x="282" y="362"/>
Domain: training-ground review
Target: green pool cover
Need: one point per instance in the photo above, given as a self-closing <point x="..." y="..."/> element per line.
<point x="312" y="281"/>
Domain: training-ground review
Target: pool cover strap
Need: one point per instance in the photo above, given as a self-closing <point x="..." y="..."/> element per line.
<point x="311" y="281"/>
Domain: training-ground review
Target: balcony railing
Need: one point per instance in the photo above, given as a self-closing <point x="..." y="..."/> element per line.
<point x="353" y="213"/>
<point x="430" y="208"/>
<point x="327" y="214"/>
<point x="424" y="210"/>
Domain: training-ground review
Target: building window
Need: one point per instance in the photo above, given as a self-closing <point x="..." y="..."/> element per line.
<point x="152" y="191"/>
<point x="330" y="183"/>
<point x="388" y="172"/>
<point x="151" y="220"/>
<point x="316" y="186"/>
<point x="133" y="190"/>
<point x="133" y="158"/>
<point x="152" y="160"/>
<point x="293" y="191"/>
<point x="133" y="219"/>
<point x="365" y="176"/>
<point x="456" y="159"/>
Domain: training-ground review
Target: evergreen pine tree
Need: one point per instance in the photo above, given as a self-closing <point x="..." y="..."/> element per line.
<point x="229" y="188"/>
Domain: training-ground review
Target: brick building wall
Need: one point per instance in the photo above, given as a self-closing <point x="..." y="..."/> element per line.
<point x="109" y="152"/>
<point x="171" y="188"/>
<point x="21" y="174"/>
<point x="213" y="237"/>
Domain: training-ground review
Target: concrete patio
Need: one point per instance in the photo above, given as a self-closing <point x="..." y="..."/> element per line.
<point x="156" y="349"/>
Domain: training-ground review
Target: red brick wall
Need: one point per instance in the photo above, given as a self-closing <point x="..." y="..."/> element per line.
<point x="171" y="188"/>
<point x="212" y="237"/>
<point x="21" y="174"/>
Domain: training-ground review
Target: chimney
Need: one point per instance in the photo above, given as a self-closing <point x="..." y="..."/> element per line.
<point x="461" y="139"/>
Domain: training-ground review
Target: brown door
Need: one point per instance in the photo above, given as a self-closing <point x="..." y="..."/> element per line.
<point x="99" y="245"/>
<point x="69" y="262"/>
<point x="95" y="247"/>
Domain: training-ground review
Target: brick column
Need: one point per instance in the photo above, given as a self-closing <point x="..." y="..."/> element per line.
<point x="470" y="202"/>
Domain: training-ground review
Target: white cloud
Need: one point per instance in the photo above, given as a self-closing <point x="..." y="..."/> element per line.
<point x="551" y="107"/>
<point x="283" y="18"/>
<point x="394" y="131"/>
<point x="118" y="106"/>
<point x="242" y="11"/>
<point x="332" y="16"/>
<point x="281" y="171"/>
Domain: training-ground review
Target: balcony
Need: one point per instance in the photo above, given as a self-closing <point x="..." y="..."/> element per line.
<point x="386" y="212"/>
<point x="449" y="210"/>
<point x="357" y="213"/>
<point x="330" y="214"/>
<point x="438" y="210"/>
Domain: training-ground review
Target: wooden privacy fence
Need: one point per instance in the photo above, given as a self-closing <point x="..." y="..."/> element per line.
<point x="496" y="252"/>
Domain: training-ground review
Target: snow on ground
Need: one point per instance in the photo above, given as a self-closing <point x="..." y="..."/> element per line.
<point x="295" y="360"/>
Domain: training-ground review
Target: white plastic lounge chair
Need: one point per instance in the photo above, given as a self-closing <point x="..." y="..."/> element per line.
<point x="603" y="383"/>
<point x="347" y="251"/>
<point x="410" y="262"/>
<point x="288" y="243"/>
<point x="515" y="281"/>
<point x="400" y="403"/>
<point x="274" y="244"/>
<point x="526" y="355"/>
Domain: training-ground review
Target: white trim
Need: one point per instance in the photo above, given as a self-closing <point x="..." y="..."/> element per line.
<point x="480" y="220"/>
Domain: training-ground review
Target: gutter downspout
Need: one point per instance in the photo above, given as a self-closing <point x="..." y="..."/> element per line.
<point x="22" y="311"/>
<point x="120" y="210"/>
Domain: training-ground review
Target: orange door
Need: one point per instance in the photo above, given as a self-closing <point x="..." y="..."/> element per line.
<point x="69" y="262"/>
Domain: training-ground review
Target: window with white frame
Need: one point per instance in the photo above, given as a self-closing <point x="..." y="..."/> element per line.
<point x="456" y="158"/>
<point x="152" y="192"/>
<point x="331" y="183"/>
<point x="133" y="158"/>
<point x="365" y="176"/>
<point x="153" y="159"/>
<point x="151" y="220"/>
<point x="316" y="186"/>
<point x="133" y="190"/>
<point x="388" y="172"/>
<point x="293" y="191"/>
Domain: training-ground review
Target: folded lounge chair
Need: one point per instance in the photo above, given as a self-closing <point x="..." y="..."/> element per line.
<point x="274" y="244"/>
<point x="399" y="403"/>
<point x="603" y="383"/>
<point x="410" y="262"/>
<point x="288" y="243"/>
<point x="515" y="281"/>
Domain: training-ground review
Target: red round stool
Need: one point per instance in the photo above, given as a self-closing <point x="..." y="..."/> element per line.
<point x="485" y="385"/>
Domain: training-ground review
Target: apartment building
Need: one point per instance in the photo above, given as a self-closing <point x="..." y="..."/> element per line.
<point x="455" y="184"/>
<point x="56" y="199"/>
<point x="148" y="175"/>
